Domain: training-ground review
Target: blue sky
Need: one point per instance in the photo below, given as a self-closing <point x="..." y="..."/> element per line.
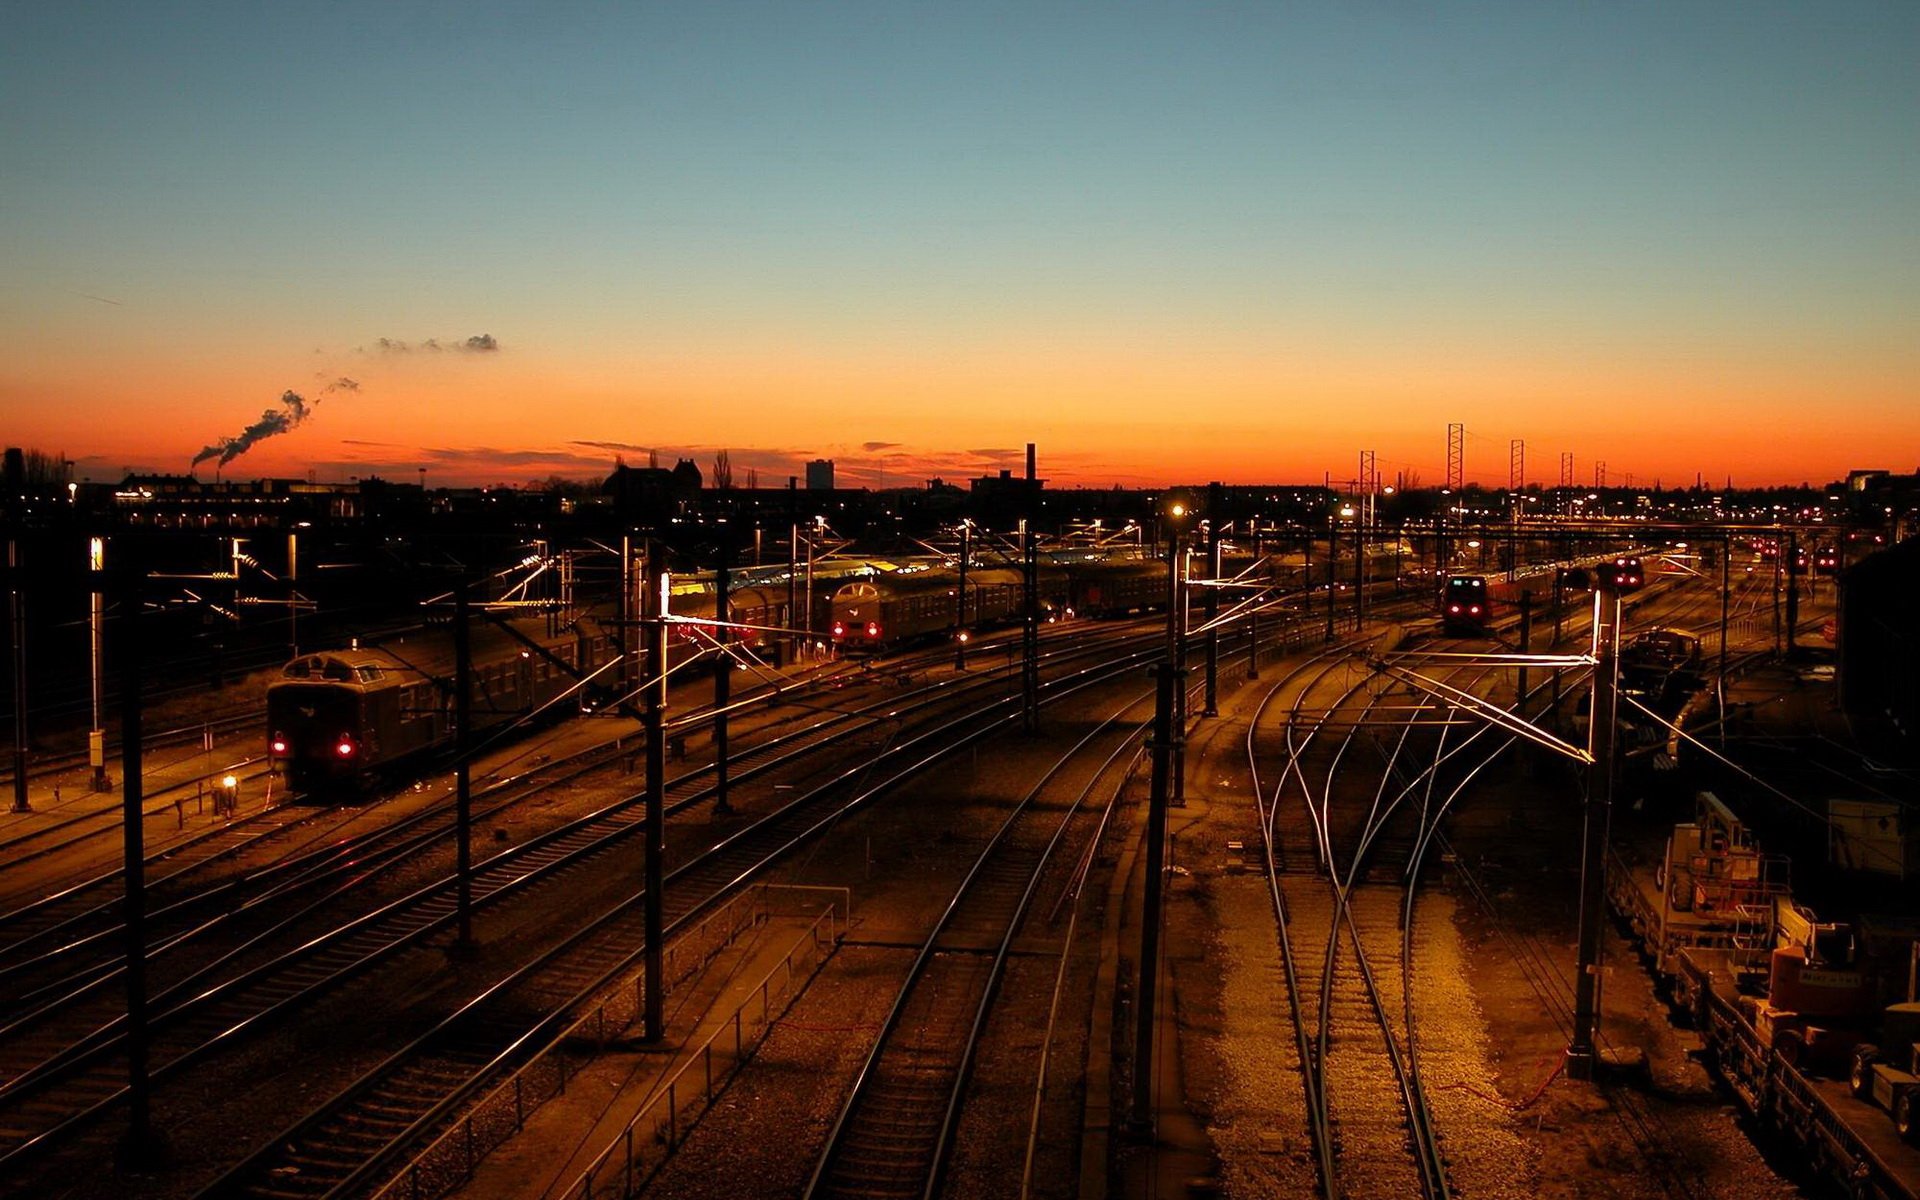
<point x="642" y="189"/>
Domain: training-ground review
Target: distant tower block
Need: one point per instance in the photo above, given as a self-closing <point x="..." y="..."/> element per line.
<point x="1456" y="456"/>
<point x="820" y="475"/>
<point x="1517" y="465"/>
<point x="1600" y="474"/>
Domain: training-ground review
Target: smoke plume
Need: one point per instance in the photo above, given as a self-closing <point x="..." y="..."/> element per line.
<point x="294" y="409"/>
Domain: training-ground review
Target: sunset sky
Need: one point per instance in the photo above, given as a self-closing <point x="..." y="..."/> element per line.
<point x="1166" y="242"/>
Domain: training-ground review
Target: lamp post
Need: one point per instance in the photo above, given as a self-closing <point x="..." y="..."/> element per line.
<point x="1167" y="684"/>
<point x="17" y="623"/>
<point x="96" y="614"/>
<point x="960" y="598"/>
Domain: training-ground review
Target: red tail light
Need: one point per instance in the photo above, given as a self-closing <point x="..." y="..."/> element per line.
<point x="279" y="745"/>
<point x="873" y="629"/>
<point x="1453" y="608"/>
<point x="839" y="629"/>
<point x="1473" y="610"/>
<point x="345" y="747"/>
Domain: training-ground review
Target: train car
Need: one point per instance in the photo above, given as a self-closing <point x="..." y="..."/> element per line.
<point x="1626" y="572"/>
<point x="339" y="719"/>
<point x="1466" y="606"/>
<point x="883" y="611"/>
<point x="1662" y="665"/>
<point x="890" y="609"/>
<point x="1116" y="588"/>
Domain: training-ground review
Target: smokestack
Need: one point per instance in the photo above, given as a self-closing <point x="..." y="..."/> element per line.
<point x="1030" y="475"/>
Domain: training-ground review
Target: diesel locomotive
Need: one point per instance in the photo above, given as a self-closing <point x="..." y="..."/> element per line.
<point x="338" y="720"/>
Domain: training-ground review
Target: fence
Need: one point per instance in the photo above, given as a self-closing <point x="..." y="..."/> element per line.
<point x="451" y="1158"/>
<point x="653" y="1136"/>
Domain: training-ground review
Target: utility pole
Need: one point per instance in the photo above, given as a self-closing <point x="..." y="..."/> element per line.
<point x="1030" y="631"/>
<point x="813" y="543"/>
<point x="462" y="770"/>
<point x="1526" y="647"/>
<point x="656" y="831"/>
<point x="96" y="617"/>
<point x="1184" y="595"/>
<point x="17" y="622"/>
<point x="1210" y="609"/>
<point x="723" y="668"/>
<point x="960" y="598"/>
<point x="1333" y="555"/>
<point x="142" y="1146"/>
<point x="627" y="618"/>
<point x="1359" y="566"/>
<point x="1559" y="601"/>
<point x="1306" y="568"/>
<point x="1779" y="559"/>
<point x="1167" y="684"/>
<point x="793" y="570"/>
<point x="1598" y="814"/>
<point x="1792" y="559"/>
<point x="1727" y="600"/>
<point x="293" y="593"/>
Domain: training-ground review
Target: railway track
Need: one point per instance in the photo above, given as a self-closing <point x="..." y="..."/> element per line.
<point x="1348" y="817"/>
<point x="328" y="1152"/>
<point x="555" y="989"/>
<point x="897" y="1121"/>
<point x="76" y="930"/>
<point x="64" y="1056"/>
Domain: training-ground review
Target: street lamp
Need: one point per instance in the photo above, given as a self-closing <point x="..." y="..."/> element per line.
<point x="1166" y="764"/>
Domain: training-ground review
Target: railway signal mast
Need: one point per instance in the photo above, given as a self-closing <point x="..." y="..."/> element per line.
<point x="1030" y="627"/>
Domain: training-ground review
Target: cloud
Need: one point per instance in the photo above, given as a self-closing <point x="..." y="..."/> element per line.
<point x="616" y="447"/>
<point x="479" y="343"/>
<point x="871" y="447"/>
<point x="489" y="455"/>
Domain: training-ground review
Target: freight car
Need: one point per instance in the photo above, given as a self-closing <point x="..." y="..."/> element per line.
<point x="1777" y="997"/>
